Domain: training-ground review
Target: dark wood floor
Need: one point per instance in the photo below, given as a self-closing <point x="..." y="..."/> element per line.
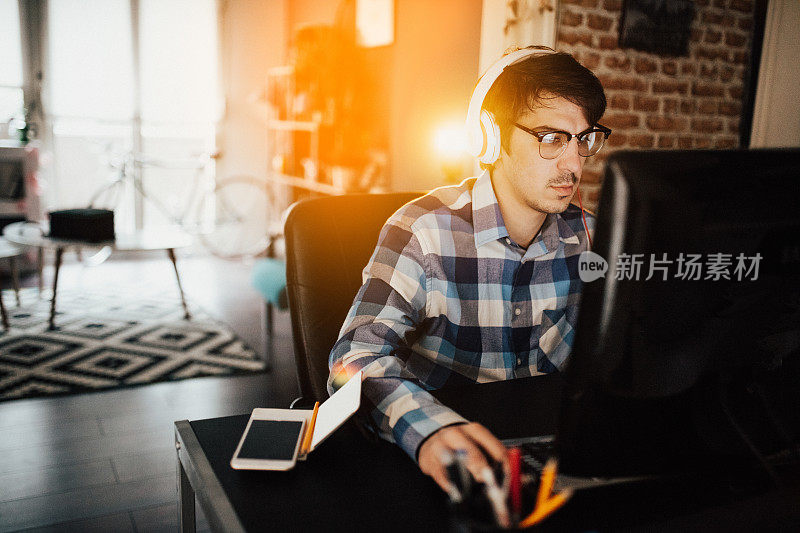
<point x="106" y="461"/>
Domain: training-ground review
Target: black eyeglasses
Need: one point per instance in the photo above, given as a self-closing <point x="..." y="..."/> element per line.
<point x="553" y="143"/>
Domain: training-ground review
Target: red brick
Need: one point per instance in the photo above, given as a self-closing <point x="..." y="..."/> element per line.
<point x="733" y="126"/>
<point x="582" y="3"/>
<point x="670" y="68"/>
<point x="705" y="52"/>
<point x="669" y="105"/>
<point x="620" y="102"/>
<point x="712" y="37"/>
<point x="590" y="60"/>
<point x="707" y="89"/>
<point x="740" y="58"/>
<point x="570" y="18"/>
<point x="590" y="176"/>
<point x="645" y="66"/>
<point x="684" y="143"/>
<point x="745" y="6"/>
<point x="620" y="63"/>
<point x="695" y="35"/>
<point x="642" y="141"/>
<point x="731" y="109"/>
<point x="592" y="197"/>
<point x="612" y="5"/>
<point x="708" y="107"/>
<point x="669" y="86"/>
<point x="688" y="107"/>
<point x="735" y="92"/>
<point x="600" y="157"/>
<point x="617" y="139"/>
<point x="726" y="143"/>
<point x="702" y="3"/>
<point x="621" y="121"/>
<point x="735" y="39"/>
<point x="709" y="71"/>
<point x="728" y="20"/>
<point x="667" y="141"/>
<point x="727" y="74"/>
<point x="575" y="37"/>
<point x="701" y="143"/>
<point x="711" y="17"/>
<point x="706" y="125"/>
<point x="745" y="23"/>
<point x="719" y="3"/>
<point x="607" y="43"/>
<point x="644" y="103"/>
<point x="599" y="22"/>
<point x="629" y="83"/>
<point x="689" y="68"/>
<point x="657" y="123"/>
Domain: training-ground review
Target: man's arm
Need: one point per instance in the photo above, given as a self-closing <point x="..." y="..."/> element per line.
<point x="388" y="313"/>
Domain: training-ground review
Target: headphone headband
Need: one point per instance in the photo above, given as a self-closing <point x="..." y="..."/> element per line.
<point x="482" y="131"/>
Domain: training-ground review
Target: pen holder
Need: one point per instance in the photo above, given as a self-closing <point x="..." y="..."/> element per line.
<point x="475" y="513"/>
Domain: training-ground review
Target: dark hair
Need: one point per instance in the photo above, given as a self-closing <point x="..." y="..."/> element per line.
<point x="529" y="82"/>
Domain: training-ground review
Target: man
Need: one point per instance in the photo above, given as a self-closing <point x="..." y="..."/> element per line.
<point x="479" y="282"/>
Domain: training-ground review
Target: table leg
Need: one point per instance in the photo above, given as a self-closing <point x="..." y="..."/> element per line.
<point x="15" y="278"/>
<point x="186" y="518"/>
<point x="40" y="268"/>
<point x="3" y="312"/>
<point x="171" y="253"/>
<point x="59" y="253"/>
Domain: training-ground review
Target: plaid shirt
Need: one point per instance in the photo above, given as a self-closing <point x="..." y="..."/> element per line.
<point x="448" y="298"/>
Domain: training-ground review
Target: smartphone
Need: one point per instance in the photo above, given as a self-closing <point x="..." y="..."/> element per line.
<point x="271" y="440"/>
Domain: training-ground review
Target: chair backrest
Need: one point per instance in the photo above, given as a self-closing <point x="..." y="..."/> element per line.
<point x="328" y="243"/>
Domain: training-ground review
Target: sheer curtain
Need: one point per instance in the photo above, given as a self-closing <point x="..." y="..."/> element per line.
<point x="102" y="104"/>
<point x="10" y="65"/>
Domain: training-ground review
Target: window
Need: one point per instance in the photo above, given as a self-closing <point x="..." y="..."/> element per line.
<point x="10" y="64"/>
<point x="103" y="104"/>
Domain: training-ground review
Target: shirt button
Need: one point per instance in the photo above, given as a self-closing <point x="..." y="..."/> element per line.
<point x="517" y="311"/>
<point x="508" y="241"/>
<point x="519" y="360"/>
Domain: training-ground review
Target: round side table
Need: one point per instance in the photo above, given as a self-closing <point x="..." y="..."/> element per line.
<point x="10" y="251"/>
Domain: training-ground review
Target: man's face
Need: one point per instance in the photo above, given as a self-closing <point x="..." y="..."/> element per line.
<point x="526" y="178"/>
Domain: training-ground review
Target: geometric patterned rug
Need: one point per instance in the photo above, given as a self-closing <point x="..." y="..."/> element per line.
<point x="108" y="339"/>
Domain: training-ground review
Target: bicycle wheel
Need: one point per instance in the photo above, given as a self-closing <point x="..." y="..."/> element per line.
<point x="242" y="216"/>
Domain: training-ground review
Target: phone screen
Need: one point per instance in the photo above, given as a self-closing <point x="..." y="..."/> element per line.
<point x="271" y="439"/>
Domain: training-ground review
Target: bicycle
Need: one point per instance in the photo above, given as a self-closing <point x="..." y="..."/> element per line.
<point x="232" y="218"/>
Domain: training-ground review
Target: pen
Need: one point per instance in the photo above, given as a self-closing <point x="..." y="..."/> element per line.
<point x="496" y="497"/>
<point x="310" y="431"/>
<point x="515" y="483"/>
<point x="453" y="477"/>
<point x="464" y="477"/>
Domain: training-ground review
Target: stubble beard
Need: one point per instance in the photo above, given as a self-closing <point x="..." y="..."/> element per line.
<point x="555" y="206"/>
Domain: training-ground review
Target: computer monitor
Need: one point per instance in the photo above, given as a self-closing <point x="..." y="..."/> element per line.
<point x="692" y="358"/>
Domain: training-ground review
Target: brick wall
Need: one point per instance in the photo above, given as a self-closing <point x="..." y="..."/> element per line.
<point x="659" y="102"/>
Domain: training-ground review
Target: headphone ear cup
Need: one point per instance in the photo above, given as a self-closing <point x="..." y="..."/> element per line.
<point x="491" y="136"/>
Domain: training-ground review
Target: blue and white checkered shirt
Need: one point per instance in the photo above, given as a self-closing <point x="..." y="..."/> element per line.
<point x="448" y="298"/>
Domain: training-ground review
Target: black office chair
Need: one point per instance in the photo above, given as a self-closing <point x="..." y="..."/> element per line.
<point x="328" y="243"/>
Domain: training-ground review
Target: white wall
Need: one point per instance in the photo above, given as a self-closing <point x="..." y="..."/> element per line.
<point x="776" y="116"/>
<point x="254" y="39"/>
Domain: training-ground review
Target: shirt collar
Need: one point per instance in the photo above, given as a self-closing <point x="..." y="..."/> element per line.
<point x="488" y="224"/>
<point x="487" y="221"/>
<point x="554" y="230"/>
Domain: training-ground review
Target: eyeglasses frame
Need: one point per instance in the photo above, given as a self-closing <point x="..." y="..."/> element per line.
<point x="540" y="135"/>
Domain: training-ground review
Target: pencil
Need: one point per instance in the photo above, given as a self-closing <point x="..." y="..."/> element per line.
<point x="310" y="431"/>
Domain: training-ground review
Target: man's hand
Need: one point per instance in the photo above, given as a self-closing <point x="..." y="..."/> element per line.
<point x="473" y="438"/>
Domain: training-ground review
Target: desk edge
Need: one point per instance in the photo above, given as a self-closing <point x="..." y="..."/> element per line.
<point x="207" y="488"/>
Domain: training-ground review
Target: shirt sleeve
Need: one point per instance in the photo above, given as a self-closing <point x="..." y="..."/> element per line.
<point x="387" y="314"/>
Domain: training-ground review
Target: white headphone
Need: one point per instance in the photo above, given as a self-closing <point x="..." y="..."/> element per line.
<point x="483" y="133"/>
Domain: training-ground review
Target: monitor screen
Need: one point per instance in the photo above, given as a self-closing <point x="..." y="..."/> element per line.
<point x="688" y="344"/>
